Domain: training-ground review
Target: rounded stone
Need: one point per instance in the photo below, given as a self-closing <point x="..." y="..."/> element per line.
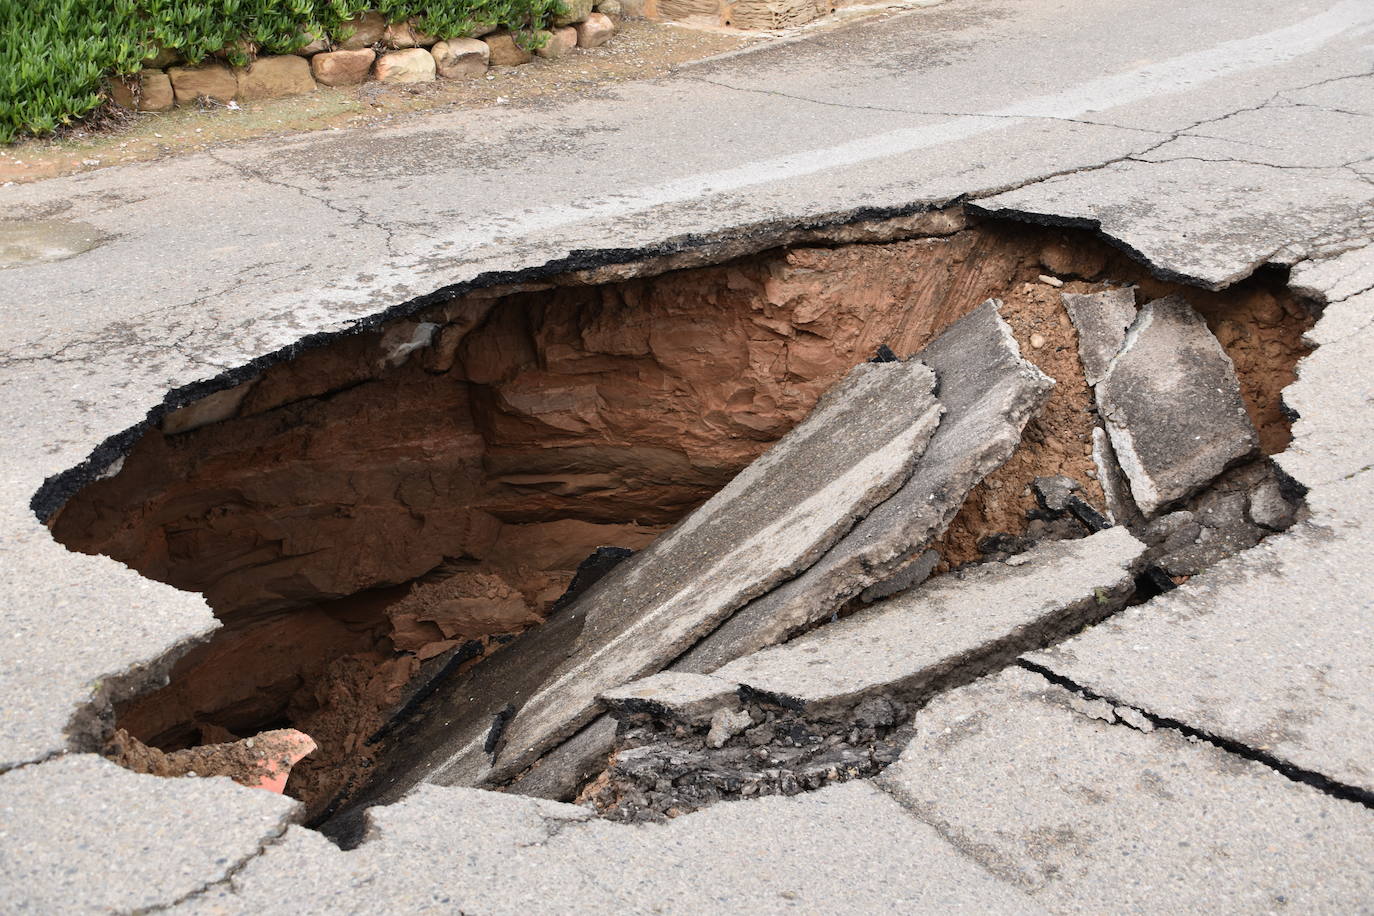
<point x="505" y="52"/>
<point x="596" y="31"/>
<point x="275" y="78"/>
<point x="460" y="57"/>
<point x="367" y="30"/>
<point x="578" y="11"/>
<point x="413" y="65"/>
<point x="155" y="92"/>
<point x="560" y="42"/>
<point x="343" y="68"/>
<point x="212" y="80"/>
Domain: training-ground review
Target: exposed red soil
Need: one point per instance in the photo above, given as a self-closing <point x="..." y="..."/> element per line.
<point x="358" y="510"/>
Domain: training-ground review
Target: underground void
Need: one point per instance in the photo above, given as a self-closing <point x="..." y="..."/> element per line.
<point x="652" y="536"/>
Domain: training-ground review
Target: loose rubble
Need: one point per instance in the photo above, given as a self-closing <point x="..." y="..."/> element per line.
<point x="831" y="705"/>
<point x="1231" y="515"/>
<point x="1101" y="320"/>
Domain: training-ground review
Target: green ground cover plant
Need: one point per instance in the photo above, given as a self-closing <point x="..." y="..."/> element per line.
<point x="57" y="56"/>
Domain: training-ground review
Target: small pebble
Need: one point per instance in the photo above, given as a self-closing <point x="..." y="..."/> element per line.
<point x="1037" y="341"/>
<point x="1052" y="281"/>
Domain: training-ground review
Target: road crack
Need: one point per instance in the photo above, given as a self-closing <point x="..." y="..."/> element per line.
<point x="1136" y="715"/>
<point x="266" y="843"/>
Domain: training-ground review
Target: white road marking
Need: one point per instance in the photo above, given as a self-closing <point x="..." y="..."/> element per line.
<point x="1175" y="74"/>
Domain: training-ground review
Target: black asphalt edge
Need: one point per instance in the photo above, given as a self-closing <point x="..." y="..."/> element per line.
<point x="57" y="489"/>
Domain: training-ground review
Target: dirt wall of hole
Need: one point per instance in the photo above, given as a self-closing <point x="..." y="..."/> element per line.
<point x="381" y="500"/>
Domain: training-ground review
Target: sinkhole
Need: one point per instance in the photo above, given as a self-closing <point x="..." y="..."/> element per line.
<point x="391" y="508"/>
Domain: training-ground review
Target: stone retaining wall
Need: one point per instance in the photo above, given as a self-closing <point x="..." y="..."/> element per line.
<point x="739" y="14"/>
<point x="388" y="52"/>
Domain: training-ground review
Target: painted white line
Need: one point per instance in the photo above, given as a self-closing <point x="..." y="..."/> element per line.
<point x="1173" y="75"/>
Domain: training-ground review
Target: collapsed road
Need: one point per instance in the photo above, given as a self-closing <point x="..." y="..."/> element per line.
<point x="347" y="502"/>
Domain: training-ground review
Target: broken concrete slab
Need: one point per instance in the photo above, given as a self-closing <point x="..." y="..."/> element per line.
<point x="1115" y="488"/>
<point x="950" y="630"/>
<point x="989" y="393"/>
<point x="561" y="773"/>
<point x="771" y="522"/>
<point x="1172" y="406"/>
<point x="1334" y="279"/>
<point x="910" y="577"/>
<point x="144" y="836"/>
<point x="1332" y="396"/>
<point x="1086" y="816"/>
<point x="461" y="714"/>
<point x="1101" y="320"/>
<point x="448" y="739"/>
<point x="686" y="697"/>
<point x="445" y="740"/>
<point x="521" y="856"/>
<point x="1252" y="651"/>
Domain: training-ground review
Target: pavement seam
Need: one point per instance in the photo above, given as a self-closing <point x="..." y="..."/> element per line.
<point x="37" y="761"/>
<point x="1312" y="778"/>
<point x="266" y="843"/>
<point x="945" y="832"/>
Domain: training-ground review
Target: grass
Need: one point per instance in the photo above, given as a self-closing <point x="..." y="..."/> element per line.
<point x="57" y="57"/>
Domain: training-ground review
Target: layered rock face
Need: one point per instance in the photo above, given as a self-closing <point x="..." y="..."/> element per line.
<point x="345" y="504"/>
<point x="519" y="431"/>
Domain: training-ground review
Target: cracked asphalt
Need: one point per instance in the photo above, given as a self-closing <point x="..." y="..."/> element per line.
<point x="1209" y="140"/>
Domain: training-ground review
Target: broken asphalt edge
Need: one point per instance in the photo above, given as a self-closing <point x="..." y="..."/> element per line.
<point x="1050" y="220"/>
<point x="747" y="240"/>
<point x="752" y="238"/>
<point x="1308" y="777"/>
<point x="739" y="241"/>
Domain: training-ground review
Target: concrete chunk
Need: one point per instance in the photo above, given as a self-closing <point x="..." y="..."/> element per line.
<point x="1101" y="320"/>
<point x="562" y="772"/>
<point x="1090" y="814"/>
<point x="1172" y="406"/>
<point x="771" y="522"/>
<point x="989" y="393"/>
<point x="910" y="577"/>
<point x="1115" y="488"/>
<point x="955" y="625"/>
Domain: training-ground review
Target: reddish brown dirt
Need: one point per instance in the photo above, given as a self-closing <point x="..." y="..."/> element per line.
<point x="261" y="761"/>
<point x="1259" y="325"/>
<point x="350" y="518"/>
